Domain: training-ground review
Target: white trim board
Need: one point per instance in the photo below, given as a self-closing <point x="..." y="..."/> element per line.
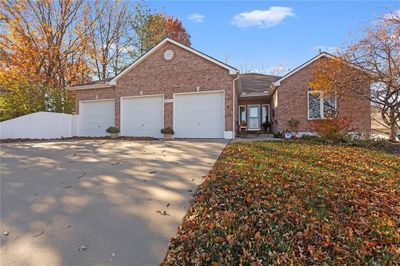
<point x="91" y="87"/>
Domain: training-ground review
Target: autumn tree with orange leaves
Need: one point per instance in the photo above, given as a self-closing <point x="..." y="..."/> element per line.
<point x="43" y="49"/>
<point x="48" y="45"/>
<point x="45" y="42"/>
<point x="370" y="68"/>
<point x="158" y="26"/>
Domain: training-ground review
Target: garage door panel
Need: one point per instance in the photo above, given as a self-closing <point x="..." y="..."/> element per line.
<point x="142" y="116"/>
<point x="96" y="117"/>
<point x="199" y="115"/>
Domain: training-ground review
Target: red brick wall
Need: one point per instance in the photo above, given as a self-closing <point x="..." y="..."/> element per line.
<point x="155" y="75"/>
<point x="292" y="103"/>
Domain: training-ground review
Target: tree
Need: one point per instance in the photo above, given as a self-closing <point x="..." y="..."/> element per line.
<point x="111" y="37"/>
<point x="43" y="44"/>
<point x="373" y="59"/>
<point x="45" y="41"/>
<point x="48" y="45"/>
<point x="141" y="15"/>
<point x="151" y="27"/>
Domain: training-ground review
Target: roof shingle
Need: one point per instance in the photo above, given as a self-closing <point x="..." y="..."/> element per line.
<point x="254" y="83"/>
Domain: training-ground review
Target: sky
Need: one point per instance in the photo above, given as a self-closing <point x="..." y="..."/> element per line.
<point x="256" y="36"/>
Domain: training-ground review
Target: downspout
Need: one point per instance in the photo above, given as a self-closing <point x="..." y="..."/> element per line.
<point x="233" y="106"/>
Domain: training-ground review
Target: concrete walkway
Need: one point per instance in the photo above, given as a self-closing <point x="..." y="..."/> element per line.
<point x="97" y="202"/>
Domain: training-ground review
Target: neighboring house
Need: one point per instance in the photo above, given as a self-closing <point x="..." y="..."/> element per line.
<point x="200" y="97"/>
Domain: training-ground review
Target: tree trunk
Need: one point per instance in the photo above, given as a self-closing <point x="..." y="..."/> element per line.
<point x="393" y="132"/>
<point x="393" y="127"/>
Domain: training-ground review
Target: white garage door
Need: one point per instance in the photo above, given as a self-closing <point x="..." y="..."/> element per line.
<point x="96" y="117"/>
<point x="199" y="115"/>
<point x="142" y="116"/>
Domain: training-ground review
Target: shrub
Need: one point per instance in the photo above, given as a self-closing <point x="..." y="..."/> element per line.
<point x="380" y="144"/>
<point x="168" y="131"/>
<point x="310" y="138"/>
<point x="267" y="125"/>
<point x="334" y="129"/>
<point x="112" y="130"/>
<point x="278" y="135"/>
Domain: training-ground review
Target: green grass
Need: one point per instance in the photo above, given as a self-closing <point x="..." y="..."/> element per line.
<point x="282" y="203"/>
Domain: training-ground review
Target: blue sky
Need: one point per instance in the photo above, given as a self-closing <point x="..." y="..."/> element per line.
<point x="280" y="33"/>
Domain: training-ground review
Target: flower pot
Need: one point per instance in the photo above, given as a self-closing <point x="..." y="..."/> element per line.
<point x="114" y="135"/>
<point x="167" y="136"/>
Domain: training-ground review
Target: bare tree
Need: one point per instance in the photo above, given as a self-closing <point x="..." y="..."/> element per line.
<point x="278" y="70"/>
<point x="111" y="37"/>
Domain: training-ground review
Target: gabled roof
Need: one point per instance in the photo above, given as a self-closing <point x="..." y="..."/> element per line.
<point x="315" y="58"/>
<point x="113" y="81"/>
<point x="231" y="69"/>
<point x="256" y="83"/>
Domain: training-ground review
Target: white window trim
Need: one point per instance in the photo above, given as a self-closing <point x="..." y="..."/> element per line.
<point x="321" y="105"/>
<point x="269" y="112"/>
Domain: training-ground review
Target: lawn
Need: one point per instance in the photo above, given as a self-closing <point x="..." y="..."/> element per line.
<point x="293" y="203"/>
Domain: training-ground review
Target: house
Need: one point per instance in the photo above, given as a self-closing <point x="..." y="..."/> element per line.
<point x="177" y="86"/>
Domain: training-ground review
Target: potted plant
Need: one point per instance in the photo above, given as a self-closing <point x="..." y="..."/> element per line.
<point x="267" y="126"/>
<point x="243" y="125"/>
<point x="168" y="132"/>
<point x="113" y="132"/>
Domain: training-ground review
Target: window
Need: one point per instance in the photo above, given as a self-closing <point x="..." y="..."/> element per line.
<point x="314" y="105"/>
<point x="320" y="107"/>
<point x="265" y="113"/>
<point x="242" y="114"/>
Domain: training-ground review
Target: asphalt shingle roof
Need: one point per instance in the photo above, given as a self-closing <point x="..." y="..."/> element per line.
<point x="251" y="83"/>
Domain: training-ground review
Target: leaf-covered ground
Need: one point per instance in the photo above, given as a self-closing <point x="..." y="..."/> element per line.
<point x="294" y="203"/>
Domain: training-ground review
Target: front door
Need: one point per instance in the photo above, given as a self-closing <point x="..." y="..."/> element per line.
<point x="254" y="117"/>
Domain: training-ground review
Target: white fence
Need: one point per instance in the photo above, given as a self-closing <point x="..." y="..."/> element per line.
<point x="40" y="125"/>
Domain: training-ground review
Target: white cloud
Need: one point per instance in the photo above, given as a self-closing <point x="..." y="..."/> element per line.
<point x="262" y="18"/>
<point x="197" y="18"/>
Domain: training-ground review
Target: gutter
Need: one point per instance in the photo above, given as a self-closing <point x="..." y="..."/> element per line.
<point x="233" y="105"/>
<point x="90" y="87"/>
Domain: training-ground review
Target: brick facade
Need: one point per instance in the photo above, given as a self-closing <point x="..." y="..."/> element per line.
<point x="292" y="103"/>
<point x="188" y="72"/>
<point x="185" y="72"/>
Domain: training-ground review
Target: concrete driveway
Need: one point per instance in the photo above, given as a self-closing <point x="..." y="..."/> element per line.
<point x="102" y="196"/>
